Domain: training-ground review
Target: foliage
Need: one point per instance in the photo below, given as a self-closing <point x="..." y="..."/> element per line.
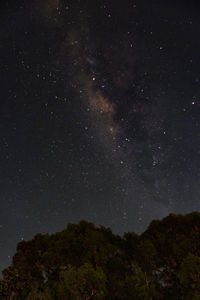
<point x="139" y="287"/>
<point x="82" y="283"/>
<point x="88" y="262"/>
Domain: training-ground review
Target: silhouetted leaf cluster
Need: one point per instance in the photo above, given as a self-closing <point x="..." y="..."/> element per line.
<point x="89" y="262"/>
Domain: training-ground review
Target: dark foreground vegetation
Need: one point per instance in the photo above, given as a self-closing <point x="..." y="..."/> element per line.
<point x="88" y="262"/>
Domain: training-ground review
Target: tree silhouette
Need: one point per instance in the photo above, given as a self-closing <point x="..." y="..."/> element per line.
<point x="88" y="262"/>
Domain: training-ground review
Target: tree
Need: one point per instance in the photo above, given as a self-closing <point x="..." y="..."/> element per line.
<point x="189" y="277"/>
<point x="36" y="294"/>
<point x="139" y="287"/>
<point x="82" y="283"/>
<point x="88" y="262"/>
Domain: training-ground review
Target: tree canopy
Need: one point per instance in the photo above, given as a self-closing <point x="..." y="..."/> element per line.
<point x="88" y="262"/>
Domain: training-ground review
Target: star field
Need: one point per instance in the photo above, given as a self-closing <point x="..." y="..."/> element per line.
<point x="99" y="115"/>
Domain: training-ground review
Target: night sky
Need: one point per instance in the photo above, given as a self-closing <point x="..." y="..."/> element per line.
<point x="99" y="114"/>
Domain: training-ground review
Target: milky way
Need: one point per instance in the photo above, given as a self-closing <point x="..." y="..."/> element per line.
<point x="99" y="114"/>
<point x="110" y="62"/>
